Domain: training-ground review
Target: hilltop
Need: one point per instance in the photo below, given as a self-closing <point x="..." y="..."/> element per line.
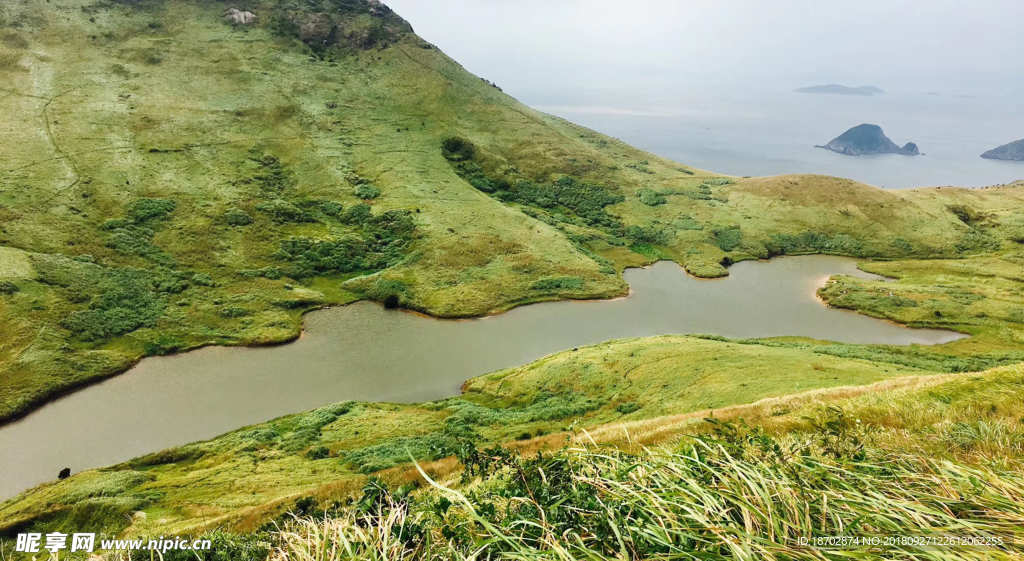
<point x="868" y="139"/>
<point x="173" y="179"/>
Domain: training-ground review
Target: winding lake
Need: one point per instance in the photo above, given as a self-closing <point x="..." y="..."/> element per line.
<point x="362" y="352"/>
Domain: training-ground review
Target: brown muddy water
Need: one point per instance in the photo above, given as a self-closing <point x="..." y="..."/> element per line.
<point x="362" y="352"/>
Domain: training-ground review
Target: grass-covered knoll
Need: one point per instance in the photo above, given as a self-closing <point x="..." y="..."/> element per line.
<point x="249" y="476"/>
<point x="241" y="174"/>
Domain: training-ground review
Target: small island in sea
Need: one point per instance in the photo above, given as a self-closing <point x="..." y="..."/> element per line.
<point x="838" y="89"/>
<point x="868" y="139"/>
<point x="1013" y="151"/>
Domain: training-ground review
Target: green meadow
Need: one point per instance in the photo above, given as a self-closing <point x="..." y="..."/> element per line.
<point x="170" y="181"/>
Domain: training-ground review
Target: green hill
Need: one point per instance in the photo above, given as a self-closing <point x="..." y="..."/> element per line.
<point x="170" y="180"/>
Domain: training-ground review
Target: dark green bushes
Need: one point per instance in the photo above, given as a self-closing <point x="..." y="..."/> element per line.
<point x="650" y="197"/>
<point x="282" y="211"/>
<point x="728" y="238"/>
<point x="8" y="287"/>
<point x="144" y="210"/>
<point x="128" y="302"/>
<point x="569" y="196"/>
<point x="271" y="177"/>
<point x="133" y="234"/>
<point x="558" y="283"/>
<point x="456" y="149"/>
<point x="653" y="233"/>
<point x="383" y="241"/>
<point x="236" y="217"/>
<point x="367" y="192"/>
<point x="812" y="242"/>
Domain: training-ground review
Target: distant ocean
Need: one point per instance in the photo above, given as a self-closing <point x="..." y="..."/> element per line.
<point x="740" y="132"/>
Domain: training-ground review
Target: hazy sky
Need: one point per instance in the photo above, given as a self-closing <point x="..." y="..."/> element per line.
<point x="527" y="46"/>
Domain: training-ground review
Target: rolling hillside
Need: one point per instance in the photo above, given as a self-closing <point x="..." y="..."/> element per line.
<point x="170" y="179"/>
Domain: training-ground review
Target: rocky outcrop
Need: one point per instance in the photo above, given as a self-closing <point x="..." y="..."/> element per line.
<point x="1013" y="151"/>
<point x="234" y="16"/>
<point x="868" y="139"/>
<point x="354" y="25"/>
<point x="910" y="149"/>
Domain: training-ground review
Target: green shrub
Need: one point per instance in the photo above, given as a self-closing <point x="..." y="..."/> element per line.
<point x="144" y="210"/>
<point x="236" y="217"/>
<point x="232" y="312"/>
<point x="367" y="192"/>
<point x="383" y="241"/>
<point x="283" y="211"/>
<point x="8" y="287"/>
<point x="318" y="453"/>
<point x="272" y="273"/>
<point x="718" y="181"/>
<point x="457" y="149"/>
<point x="271" y="177"/>
<point x="628" y="407"/>
<point x="332" y="208"/>
<point x="812" y="242"/>
<point x="557" y="283"/>
<point x="727" y="238"/>
<point x="650" y="197"/>
<point x="202" y="279"/>
<point x="163" y="345"/>
<point x="653" y="233"/>
<point x="357" y="214"/>
<point x="128" y="301"/>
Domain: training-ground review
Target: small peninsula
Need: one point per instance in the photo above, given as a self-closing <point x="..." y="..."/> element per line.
<point x="1013" y="151"/>
<point x="868" y="139"/>
<point x="838" y="89"/>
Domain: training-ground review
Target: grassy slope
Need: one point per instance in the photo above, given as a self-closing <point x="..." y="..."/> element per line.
<point x="112" y="102"/>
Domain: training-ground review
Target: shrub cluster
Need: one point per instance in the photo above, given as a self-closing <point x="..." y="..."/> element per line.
<point x="382" y="241"/>
<point x="282" y="211"/>
<point x="367" y="192"/>
<point x="128" y="301"/>
<point x="584" y="200"/>
<point x="727" y="238"/>
<point x="133" y="234"/>
<point x="8" y="287"/>
<point x="557" y="283"/>
<point x="813" y="242"/>
<point x="456" y="149"/>
<point x="650" y="197"/>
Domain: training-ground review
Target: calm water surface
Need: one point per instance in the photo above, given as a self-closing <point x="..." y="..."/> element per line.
<point x="362" y="352"/>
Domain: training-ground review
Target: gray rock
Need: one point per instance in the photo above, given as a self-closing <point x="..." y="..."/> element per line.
<point x="235" y="16"/>
<point x="868" y="139"/>
<point x="1013" y="151"/>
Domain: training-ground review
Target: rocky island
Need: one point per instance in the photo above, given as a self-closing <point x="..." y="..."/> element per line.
<point x="1013" y="151"/>
<point x="868" y="139"/>
<point x="838" y="89"/>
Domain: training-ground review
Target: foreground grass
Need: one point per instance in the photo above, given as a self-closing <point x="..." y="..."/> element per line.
<point x="931" y="461"/>
<point x="927" y="457"/>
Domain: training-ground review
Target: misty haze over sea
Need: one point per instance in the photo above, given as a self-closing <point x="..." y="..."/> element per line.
<point x="741" y="130"/>
<point x="710" y="82"/>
